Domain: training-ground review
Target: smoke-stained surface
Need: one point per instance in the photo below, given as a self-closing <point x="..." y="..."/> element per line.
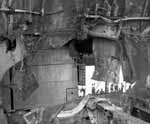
<point x="106" y="60"/>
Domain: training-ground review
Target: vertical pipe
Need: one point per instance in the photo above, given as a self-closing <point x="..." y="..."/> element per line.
<point x="11" y="89"/>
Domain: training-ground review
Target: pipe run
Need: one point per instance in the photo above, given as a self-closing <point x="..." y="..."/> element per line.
<point x="20" y="11"/>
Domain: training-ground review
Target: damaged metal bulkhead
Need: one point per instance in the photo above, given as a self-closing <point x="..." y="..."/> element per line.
<point x="121" y="32"/>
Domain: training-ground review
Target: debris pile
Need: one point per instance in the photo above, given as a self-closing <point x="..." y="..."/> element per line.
<point x="90" y="110"/>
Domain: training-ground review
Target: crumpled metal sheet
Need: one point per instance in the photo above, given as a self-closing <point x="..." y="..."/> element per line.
<point x="10" y="58"/>
<point x="135" y="47"/>
<point x="106" y="60"/>
<point x="137" y="51"/>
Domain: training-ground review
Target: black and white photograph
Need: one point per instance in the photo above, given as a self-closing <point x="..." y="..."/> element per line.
<point x="74" y="61"/>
